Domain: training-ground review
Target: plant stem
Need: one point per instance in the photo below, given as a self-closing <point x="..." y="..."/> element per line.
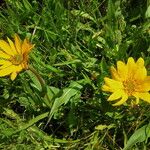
<point x="42" y="82"/>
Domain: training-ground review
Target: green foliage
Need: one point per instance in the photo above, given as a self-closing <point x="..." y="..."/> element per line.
<point x="60" y="105"/>
<point x="141" y="135"/>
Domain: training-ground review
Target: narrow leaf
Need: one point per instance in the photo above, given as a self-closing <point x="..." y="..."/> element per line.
<point x="138" y="136"/>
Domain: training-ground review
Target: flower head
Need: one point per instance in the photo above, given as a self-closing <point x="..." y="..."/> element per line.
<point x="128" y="80"/>
<point x="14" y="56"/>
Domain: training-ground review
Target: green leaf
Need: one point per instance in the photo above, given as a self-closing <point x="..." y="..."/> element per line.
<point x="138" y="136"/>
<point x="67" y="94"/>
<point x="68" y="62"/>
<point x="82" y="14"/>
<point x="36" y="84"/>
<point x="27" y="5"/>
<point x="10" y="113"/>
<point x="51" y="92"/>
<point x="102" y="127"/>
<point x="10" y="132"/>
<point x="147" y="14"/>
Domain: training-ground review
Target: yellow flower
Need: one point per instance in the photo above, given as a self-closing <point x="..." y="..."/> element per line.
<point x="14" y="56"/>
<point x="128" y="80"/>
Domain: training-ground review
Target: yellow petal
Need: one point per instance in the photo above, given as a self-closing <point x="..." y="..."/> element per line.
<point x="4" y="55"/>
<point x="13" y="76"/>
<point x="18" y="44"/>
<point x="136" y="96"/>
<point x="106" y="88"/>
<point x="7" y="71"/>
<point x="140" y="74"/>
<point x="115" y="74"/>
<point x="2" y="62"/>
<point x="140" y="62"/>
<point x="26" y="46"/>
<point x="122" y="70"/>
<point x="131" y="67"/>
<point x="5" y="47"/>
<point x="25" y="64"/>
<point x="12" y="46"/>
<point x="123" y="100"/>
<point x="144" y="96"/>
<point x="116" y="95"/>
<point x="113" y="84"/>
<point x="137" y="100"/>
<point x="18" y="68"/>
<point x="6" y="65"/>
<point x="145" y="85"/>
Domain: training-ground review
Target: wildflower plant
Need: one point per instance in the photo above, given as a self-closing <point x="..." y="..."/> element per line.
<point x="128" y="81"/>
<point x="14" y="56"/>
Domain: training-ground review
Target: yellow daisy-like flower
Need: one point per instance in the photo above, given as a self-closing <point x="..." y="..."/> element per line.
<point x="14" y="56"/>
<point x="128" y="80"/>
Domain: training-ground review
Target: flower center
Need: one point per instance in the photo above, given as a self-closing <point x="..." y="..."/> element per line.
<point x="17" y="59"/>
<point x="130" y="86"/>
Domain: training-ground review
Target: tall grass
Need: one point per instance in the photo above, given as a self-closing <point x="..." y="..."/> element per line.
<point x="76" y="42"/>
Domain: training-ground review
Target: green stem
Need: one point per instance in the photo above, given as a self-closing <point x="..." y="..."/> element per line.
<point x="42" y="82"/>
